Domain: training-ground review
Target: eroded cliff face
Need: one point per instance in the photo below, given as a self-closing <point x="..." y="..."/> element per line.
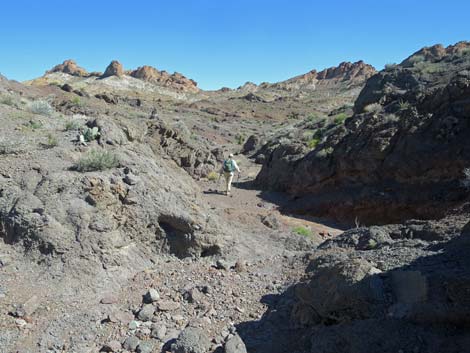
<point x="402" y="154"/>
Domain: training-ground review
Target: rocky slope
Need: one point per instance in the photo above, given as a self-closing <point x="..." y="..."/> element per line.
<point x="402" y="154"/>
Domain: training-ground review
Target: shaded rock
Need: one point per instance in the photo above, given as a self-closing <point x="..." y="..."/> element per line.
<point x="151" y="296"/>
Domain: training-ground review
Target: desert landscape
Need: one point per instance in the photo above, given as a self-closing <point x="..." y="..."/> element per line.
<point x="347" y="230"/>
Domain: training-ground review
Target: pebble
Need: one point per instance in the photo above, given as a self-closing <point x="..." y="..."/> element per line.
<point x="152" y="296"/>
<point x="146" y="313"/>
<point x="133" y="325"/>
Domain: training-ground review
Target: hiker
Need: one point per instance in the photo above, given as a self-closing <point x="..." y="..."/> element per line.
<point x="228" y="169"/>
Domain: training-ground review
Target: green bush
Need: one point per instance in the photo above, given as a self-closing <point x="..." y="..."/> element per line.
<point x="403" y="105"/>
<point x="41" y="107"/>
<point x="340" y="118"/>
<point x="33" y="125"/>
<point x="302" y="231"/>
<point x="240" y="139"/>
<point x="293" y="115"/>
<point x="313" y="142"/>
<point x="97" y="160"/>
<point x="212" y="176"/>
<point x="51" y="141"/>
<point x="373" y="108"/>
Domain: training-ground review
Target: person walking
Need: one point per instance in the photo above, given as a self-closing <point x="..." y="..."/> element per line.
<point x="228" y="170"/>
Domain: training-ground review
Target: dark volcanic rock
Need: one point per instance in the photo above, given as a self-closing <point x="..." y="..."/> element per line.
<point x="402" y="155"/>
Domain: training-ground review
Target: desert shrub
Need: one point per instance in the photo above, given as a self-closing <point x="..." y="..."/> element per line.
<point x="7" y="100"/>
<point x="33" y="125"/>
<point x="307" y="136"/>
<point x="212" y="176"/>
<point x="312" y="117"/>
<point x="325" y="152"/>
<point x="293" y="115"/>
<point x="51" y="141"/>
<point x="97" y="160"/>
<point x="302" y="231"/>
<point x="389" y="67"/>
<point x="340" y="118"/>
<point x="416" y="59"/>
<point x="41" y="107"/>
<point x="403" y="105"/>
<point x="427" y="67"/>
<point x="313" y="142"/>
<point x="372" y="108"/>
<point x="240" y="139"/>
<point x="72" y="125"/>
<point x="76" y="101"/>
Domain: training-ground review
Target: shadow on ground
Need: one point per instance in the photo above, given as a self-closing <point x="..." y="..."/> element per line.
<point x="423" y="306"/>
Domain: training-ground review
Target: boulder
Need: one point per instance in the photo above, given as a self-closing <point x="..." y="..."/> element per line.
<point x="191" y="340"/>
<point x="235" y="345"/>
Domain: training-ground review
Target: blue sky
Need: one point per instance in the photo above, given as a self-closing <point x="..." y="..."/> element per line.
<point x="222" y="42"/>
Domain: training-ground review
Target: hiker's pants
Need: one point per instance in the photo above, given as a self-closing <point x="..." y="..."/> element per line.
<point x="228" y="181"/>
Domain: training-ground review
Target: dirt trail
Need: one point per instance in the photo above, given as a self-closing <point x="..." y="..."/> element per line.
<point x="246" y="207"/>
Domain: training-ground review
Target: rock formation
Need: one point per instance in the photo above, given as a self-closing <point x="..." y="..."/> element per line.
<point x="114" y="69"/>
<point x="403" y="154"/>
<point x="69" y="67"/>
<point x="176" y="80"/>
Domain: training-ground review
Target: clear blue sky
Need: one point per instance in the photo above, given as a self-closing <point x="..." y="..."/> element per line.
<point x="222" y="42"/>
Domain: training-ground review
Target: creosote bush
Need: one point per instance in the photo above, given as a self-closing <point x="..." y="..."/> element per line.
<point x="302" y="231"/>
<point x="97" y="160"/>
<point x="51" y="141"/>
<point x="340" y="118"/>
<point x="72" y="125"/>
<point x="212" y="176"/>
<point x="41" y="107"/>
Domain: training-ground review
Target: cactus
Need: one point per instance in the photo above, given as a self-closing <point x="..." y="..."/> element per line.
<point x="91" y="134"/>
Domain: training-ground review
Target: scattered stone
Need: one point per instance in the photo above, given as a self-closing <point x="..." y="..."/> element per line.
<point x="270" y="221"/>
<point x="112" y="346"/>
<point x="167" y="305"/>
<point x="28" y="307"/>
<point x="133" y="325"/>
<point x="222" y="265"/>
<point x="131" y="343"/>
<point x="240" y="266"/>
<point x="146" y="313"/>
<point x="235" y="345"/>
<point x="191" y="340"/>
<point x="151" y="296"/>
<point x="159" y="332"/>
<point x="193" y="295"/>
<point x="145" y="347"/>
<point x="109" y="299"/>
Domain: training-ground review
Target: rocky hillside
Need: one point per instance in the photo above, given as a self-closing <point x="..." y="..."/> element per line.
<point x="401" y="154"/>
<point x="353" y="74"/>
<point x="80" y="77"/>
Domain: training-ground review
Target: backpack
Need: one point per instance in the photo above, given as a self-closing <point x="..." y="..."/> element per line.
<point x="228" y="166"/>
